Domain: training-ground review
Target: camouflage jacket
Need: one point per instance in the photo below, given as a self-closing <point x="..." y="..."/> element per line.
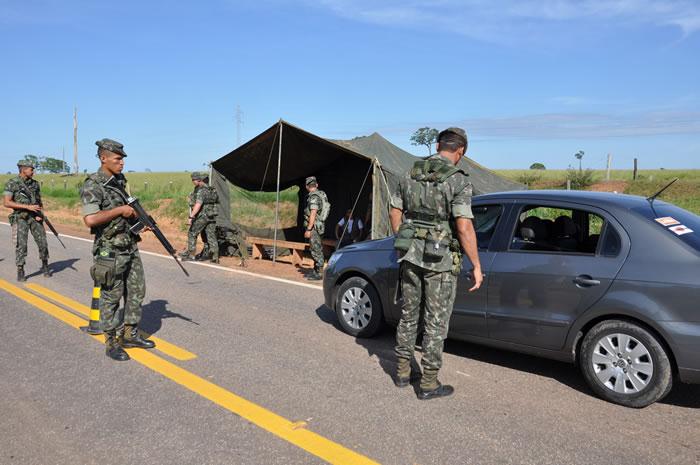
<point x="26" y="192"/>
<point x="445" y="200"/>
<point x="209" y="198"/>
<point x="317" y="200"/>
<point x="115" y="235"/>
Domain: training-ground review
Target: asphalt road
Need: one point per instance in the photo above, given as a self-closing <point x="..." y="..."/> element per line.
<point x="274" y="381"/>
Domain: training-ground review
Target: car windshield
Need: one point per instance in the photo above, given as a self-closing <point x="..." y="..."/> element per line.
<point x="680" y="223"/>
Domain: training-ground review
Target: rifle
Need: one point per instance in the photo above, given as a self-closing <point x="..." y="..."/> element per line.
<point x="40" y="213"/>
<point x="144" y="220"/>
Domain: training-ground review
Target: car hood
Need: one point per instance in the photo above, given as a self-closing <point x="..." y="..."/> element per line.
<point x="386" y="243"/>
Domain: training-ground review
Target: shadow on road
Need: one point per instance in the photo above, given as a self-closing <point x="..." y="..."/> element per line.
<point x="57" y="267"/>
<point x="382" y="345"/>
<point x="154" y="312"/>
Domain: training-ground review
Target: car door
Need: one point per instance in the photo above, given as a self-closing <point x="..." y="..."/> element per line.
<point x="469" y="311"/>
<point x="542" y="282"/>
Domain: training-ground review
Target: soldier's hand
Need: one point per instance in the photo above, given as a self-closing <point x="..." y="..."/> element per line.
<point x="189" y="221"/>
<point x="478" y="278"/>
<point x="127" y="211"/>
<point x="38" y="219"/>
<point x="33" y="208"/>
<point x="307" y="234"/>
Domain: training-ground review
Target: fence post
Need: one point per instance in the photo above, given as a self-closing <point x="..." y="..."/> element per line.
<point x="634" y="173"/>
<point x="145" y="185"/>
<point x="568" y="184"/>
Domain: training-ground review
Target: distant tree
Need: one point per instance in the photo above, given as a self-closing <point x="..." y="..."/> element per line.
<point x="34" y="159"/>
<point x="425" y="136"/>
<point x="538" y="166"/>
<point x="148" y="170"/>
<point x="579" y="156"/>
<point x="53" y="165"/>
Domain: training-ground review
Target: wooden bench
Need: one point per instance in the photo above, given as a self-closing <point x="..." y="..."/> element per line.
<point x="297" y="248"/>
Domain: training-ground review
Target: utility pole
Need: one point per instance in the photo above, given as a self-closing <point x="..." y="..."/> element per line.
<point x="76" y="168"/>
<point x="63" y="157"/>
<point x="239" y="123"/>
<point x="607" y="173"/>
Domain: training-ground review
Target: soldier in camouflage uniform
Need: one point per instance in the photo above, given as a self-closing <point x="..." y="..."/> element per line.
<point x="431" y="214"/>
<point x="117" y="266"/>
<point x="203" y="217"/>
<point x="315" y="214"/>
<point x="23" y="195"/>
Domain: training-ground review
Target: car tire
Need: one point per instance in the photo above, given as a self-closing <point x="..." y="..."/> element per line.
<point x="625" y="364"/>
<point x="358" y="307"/>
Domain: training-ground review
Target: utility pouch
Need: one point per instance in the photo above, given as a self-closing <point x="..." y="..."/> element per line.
<point x="103" y="271"/>
<point x="456" y="263"/>
<point x="404" y="237"/>
<point x="436" y="246"/>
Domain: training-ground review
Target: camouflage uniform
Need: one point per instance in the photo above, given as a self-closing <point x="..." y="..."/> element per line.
<point x="117" y="264"/>
<point x="205" y="221"/>
<point x="316" y="200"/>
<point x="430" y="261"/>
<point x="26" y="192"/>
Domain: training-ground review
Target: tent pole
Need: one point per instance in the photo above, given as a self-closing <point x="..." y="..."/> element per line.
<point x="277" y="200"/>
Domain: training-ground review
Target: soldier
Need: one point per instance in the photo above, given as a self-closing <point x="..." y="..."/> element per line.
<point x="117" y="267"/>
<point x="317" y="209"/>
<point x="435" y="201"/>
<point x="23" y="195"/>
<point x="203" y="217"/>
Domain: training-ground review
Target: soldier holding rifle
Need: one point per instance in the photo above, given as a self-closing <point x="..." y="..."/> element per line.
<point x="23" y="195"/>
<point x="117" y="267"/>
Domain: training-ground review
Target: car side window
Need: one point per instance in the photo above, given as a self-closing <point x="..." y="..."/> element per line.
<point x="612" y="243"/>
<point x="485" y="221"/>
<point x="559" y="230"/>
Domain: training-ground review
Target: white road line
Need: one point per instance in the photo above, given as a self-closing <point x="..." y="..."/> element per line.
<point x="209" y="265"/>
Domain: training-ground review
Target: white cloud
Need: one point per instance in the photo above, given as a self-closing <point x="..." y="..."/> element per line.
<point x="515" y="20"/>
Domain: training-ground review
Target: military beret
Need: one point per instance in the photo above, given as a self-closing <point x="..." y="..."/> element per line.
<point x="311" y="180"/>
<point x="28" y="163"/>
<point x="461" y="133"/>
<point x="111" y="146"/>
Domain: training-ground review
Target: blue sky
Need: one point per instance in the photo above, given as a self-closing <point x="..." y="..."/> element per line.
<point x="530" y="80"/>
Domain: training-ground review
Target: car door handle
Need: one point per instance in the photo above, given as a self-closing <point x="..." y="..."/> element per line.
<point x="585" y="281"/>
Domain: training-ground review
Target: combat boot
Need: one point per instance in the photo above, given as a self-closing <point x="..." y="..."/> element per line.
<point x="132" y="338"/>
<point x="114" y="349"/>
<point x="431" y="388"/>
<point x="314" y="275"/>
<point x="215" y="259"/>
<point x="20" y="274"/>
<point x="45" y="268"/>
<point x="186" y="256"/>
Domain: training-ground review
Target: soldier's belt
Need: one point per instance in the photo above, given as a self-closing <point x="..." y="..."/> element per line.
<point x="426" y="217"/>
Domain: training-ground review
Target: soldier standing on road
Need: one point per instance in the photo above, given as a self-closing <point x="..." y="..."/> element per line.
<point x="435" y="201"/>
<point x="203" y="217"/>
<point x="117" y="267"/>
<point x="317" y="209"/>
<point x="23" y="195"/>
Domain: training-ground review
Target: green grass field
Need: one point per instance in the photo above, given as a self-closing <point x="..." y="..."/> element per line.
<point x="169" y="191"/>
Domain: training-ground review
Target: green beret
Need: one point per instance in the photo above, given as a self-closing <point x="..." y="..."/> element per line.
<point x="461" y="133"/>
<point x="311" y="180"/>
<point x="28" y="163"/>
<point x="111" y="146"/>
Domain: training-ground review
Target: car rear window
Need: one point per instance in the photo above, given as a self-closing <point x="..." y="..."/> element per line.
<point x="678" y="222"/>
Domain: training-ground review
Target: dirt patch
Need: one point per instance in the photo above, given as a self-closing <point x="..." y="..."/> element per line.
<point x="609" y="186"/>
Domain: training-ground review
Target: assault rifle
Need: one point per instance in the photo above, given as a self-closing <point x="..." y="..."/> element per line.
<point x="143" y="220"/>
<point x="40" y="213"/>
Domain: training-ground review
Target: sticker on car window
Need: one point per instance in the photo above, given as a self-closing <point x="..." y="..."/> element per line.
<point x="681" y="229"/>
<point x="667" y="221"/>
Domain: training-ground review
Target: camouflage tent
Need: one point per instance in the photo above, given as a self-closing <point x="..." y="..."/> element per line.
<point x="358" y="173"/>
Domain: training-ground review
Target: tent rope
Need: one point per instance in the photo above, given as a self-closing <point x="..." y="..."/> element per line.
<point x="352" y="212"/>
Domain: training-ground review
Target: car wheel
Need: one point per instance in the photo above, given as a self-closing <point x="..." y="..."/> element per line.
<point x="358" y="307"/>
<point x="625" y="364"/>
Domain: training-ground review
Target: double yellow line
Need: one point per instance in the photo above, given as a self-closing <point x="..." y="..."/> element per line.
<point x="292" y="432"/>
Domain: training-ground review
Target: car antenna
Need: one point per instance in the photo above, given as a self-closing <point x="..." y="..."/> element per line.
<point x="653" y="197"/>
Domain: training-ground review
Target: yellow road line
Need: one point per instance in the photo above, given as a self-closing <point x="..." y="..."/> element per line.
<point x="313" y="443"/>
<point x="166" y="347"/>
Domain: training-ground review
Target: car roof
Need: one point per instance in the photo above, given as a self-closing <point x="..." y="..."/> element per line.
<point x="601" y="199"/>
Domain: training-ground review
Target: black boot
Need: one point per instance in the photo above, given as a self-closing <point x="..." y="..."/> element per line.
<point x="132" y="338"/>
<point x="113" y="349"/>
<point x="45" y="268"/>
<point x="20" y="274"/>
<point x="314" y="275"/>
<point x="443" y="390"/>
<point x="215" y="259"/>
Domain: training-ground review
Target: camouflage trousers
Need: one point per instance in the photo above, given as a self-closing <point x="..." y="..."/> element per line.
<point x="20" y="235"/>
<point x="203" y="224"/>
<point x="432" y="294"/>
<point x="316" y="249"/>
<point x="129" y="283"/>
